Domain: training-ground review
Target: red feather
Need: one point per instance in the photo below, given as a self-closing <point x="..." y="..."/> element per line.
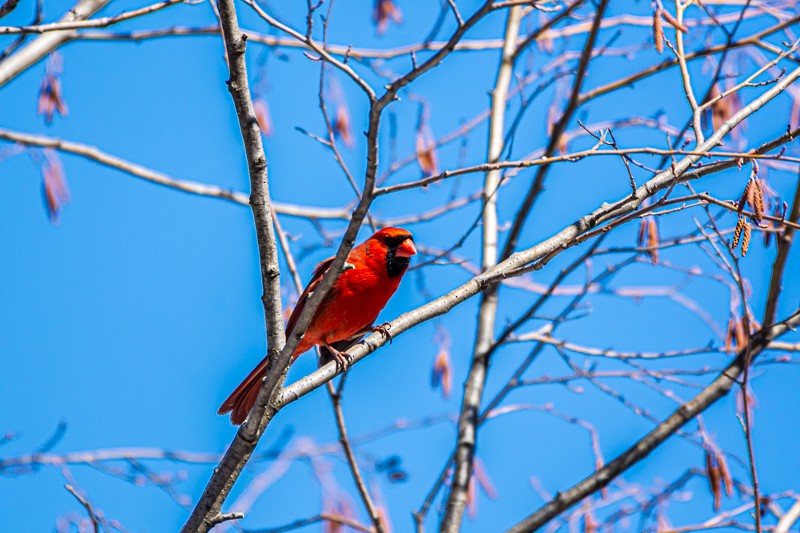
<point x="373" y="271"/>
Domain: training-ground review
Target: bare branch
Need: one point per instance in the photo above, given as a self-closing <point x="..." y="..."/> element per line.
<point x="102" y="22"/>
<point x="716" y="390"/>
<point x="473" y="388"/>
<point x="208" y="508"/>
<point x="44" y="44"/>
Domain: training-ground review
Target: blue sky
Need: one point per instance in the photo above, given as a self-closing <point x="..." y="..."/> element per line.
<point x="132" y="317"/>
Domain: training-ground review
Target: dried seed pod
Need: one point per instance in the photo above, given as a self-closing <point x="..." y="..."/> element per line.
<point x="737" y="233"/>
<point x="758" y="199"/>
<point x="730" y="335"/>
<point x="739" y="333"/>
<point x="726" y="474"/>
<point x="51" y="99"/>
<point x="54" y="185"/>
<point x="714" y="479"/>
<point x="484" y="480"/>
<point x="642" y="237"/>
<point x="384" y="11"/>
<point x="673" y="21"/>
<point x="341" y="125"/>
<point x="658" y="31"/>
<point x="426" y="152"/>
<point x="442" y="374"/>
<point x="652" y="239"/>
<point x="746" y="193"/>
<point x="746" y="239"/>
<point x="263" y="116"/>
<point x="721" y="110"/>
<point x="472" y="498"/>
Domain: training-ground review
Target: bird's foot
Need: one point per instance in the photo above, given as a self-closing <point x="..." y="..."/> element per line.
<point x="342" y="358"/>
<point x="384" y="330"/>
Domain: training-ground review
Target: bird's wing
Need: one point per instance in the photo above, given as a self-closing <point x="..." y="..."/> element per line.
<point x="316" y="277"/>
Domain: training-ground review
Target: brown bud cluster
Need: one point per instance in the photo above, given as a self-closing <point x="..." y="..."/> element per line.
<point x="737" y="233"/>
<point x="672" y="21"/>
<point x="263" y="116"/>
<point x="54" y="185"/>
<point x="719" y="476"/>
<point x="658" y="31"/>
<point x="341" y="125"/>
<point x="746" y="239"/>
<point x="736" y="338"/>
<point x="426" y="152"/>
<point x="384" y="11"/>
<point x="51" y="99"/>
<point x="648" y="237"/>
<point x="742" y="232"/>
<point x="753" y="194"/>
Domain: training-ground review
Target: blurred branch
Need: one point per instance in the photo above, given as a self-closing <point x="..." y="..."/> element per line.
<point x="87" y="505"/>
<point x="572" y="158"/>
<point x="102" y="22"/>
<point x="297" y="524"/>
<point x="789" y="519"/>
<point x="336" y="403"/>
<point x="44" y="44"/>
<point x="680" y="7"/>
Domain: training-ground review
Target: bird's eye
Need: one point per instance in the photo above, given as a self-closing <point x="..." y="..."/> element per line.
<point x="394" y="242"/>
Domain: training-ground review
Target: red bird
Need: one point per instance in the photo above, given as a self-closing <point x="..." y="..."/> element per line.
<point x="371" y="275"/>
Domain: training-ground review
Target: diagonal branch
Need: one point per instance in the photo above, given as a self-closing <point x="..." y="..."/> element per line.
<point x="102" y="22"/>
<point x="192" y="187"/>
<point x="558" y="129"/>
<point x="46" y="43"/>
<point x="716" y="390"/>
<point x="784" y="242"/>
<point x="564" y="239"/>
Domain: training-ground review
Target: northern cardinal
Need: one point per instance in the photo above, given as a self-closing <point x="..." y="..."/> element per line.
<point x="371" y="275"/>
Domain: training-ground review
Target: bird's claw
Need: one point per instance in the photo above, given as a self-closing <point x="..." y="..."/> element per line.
<point x="342" y="359"/>
<point x="384" y="330"/>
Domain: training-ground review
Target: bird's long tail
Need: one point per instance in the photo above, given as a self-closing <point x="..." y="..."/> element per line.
<point x="243" y="398"/>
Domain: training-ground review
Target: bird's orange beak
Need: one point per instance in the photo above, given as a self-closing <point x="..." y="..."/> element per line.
<point x="406" y="249"/>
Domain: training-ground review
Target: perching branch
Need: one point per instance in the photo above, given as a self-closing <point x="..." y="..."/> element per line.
<point x="567" y="237"/>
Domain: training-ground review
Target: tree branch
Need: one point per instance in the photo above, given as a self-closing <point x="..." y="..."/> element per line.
<point x="784" y="242"/>
<point x="44" y="44"/>
<point x="716" y="390"/>
<point x="466" y="439"/>
<point x="208" y="509"/>
<point x="567" y="237"/>
<point x="558" y="129"/>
